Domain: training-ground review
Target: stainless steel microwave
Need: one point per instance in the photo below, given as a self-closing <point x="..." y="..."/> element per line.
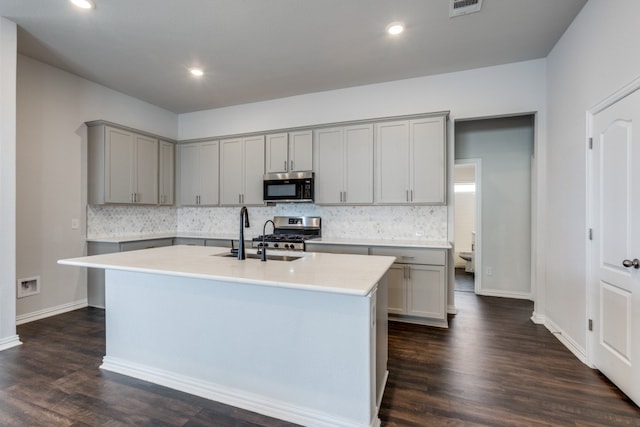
<point x="288" y="187"/>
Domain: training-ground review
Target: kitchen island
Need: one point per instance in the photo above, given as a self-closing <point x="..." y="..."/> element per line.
<point x="302" y="340"/>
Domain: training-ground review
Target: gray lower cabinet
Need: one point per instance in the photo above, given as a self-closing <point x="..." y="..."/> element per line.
<point x="190" y="241"/>
<point x="95" y="276"/>
<point x="417" y="281"/>
<point x="218" y="242"/>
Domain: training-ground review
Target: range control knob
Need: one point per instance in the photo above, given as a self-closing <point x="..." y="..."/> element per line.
<point x="275" y="245"/>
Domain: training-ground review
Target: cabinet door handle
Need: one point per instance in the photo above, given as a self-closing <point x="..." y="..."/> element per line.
<point x="292" y="164"/>
<point x="285" y="165"/>
<point x="408" y="257"/>
<point x="411" y="194"/>
<point x="406" y="272"/>
<point x="345" y="196"/>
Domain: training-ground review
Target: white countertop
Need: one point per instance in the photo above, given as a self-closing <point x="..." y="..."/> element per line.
<point x="344" y="274"/>
<point x="424" y="244"/>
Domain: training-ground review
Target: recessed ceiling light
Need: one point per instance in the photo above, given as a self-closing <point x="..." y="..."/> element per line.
<point x="196" y="72"/>
<point x="84" y="4"/>
<point x="395" y="28"/>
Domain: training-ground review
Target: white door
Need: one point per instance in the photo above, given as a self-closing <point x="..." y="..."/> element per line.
<point x="615" y="285"/>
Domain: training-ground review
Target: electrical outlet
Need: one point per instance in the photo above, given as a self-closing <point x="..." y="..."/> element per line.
<point x="75" y="223"/>
<point x="489" y="271"/>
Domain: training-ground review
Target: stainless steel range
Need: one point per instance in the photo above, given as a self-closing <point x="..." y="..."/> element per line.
<point x="290" y="232"/>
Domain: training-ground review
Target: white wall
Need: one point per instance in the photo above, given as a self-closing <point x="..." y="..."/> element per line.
<point x="596" y="56"/>
<point x="51" y="174"/>
<point x="490" y="91"/>
<point x="505" y="147"/>
<point x="8" y="44"/>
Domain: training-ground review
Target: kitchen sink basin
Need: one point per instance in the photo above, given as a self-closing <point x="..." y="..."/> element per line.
<point x="270" y="257"/>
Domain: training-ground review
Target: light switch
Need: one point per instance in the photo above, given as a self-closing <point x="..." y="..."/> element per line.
<point x="75" y="223"/>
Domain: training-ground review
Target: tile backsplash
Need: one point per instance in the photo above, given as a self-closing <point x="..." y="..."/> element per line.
<point x="357" y="222"/>
<point x="112" y="221"/>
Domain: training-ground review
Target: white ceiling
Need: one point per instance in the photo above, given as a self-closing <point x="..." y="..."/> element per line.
<point x="255" y="50"/>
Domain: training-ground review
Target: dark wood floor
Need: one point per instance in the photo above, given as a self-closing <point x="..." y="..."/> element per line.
<point x="493" y="367"/>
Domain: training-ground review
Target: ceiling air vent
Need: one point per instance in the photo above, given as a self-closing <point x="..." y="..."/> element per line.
<point x="464" y="7"/>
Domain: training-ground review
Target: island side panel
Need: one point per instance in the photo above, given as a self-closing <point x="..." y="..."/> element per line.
<point x="284" y="352"/>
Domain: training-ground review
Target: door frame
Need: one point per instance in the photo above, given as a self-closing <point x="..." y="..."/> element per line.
<point x="477" y="276"/>
<point x="590" y="311"/>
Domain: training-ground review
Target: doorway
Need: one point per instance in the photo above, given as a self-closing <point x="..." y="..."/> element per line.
<point x="503" y="248"/>
<point x="467" y="253"/>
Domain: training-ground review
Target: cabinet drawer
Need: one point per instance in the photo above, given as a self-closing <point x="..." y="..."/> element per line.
<point x="190" y="241"/>
<point x="224" y="243"/>
<point x="412" y="255"/>
<point x="337" y="249"/>
<point x="145" y="244"/>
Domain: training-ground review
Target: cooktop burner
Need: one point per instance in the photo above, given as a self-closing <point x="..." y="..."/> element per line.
<point x="289" y="233"/>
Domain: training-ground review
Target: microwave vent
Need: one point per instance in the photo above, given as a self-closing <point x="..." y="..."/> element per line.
<point x="464" y="7"/>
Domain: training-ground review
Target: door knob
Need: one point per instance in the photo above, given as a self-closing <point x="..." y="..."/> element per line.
<point x="628" y="263"/>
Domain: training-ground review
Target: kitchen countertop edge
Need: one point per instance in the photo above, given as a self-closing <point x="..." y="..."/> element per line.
<point x="405" y="243"/>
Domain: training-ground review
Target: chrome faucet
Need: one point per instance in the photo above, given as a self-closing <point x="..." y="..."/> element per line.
<point x="263" y="249"/>
<point x="244" y="214"/>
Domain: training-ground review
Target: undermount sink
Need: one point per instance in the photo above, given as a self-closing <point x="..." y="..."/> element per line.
<point x="270" y="257"/>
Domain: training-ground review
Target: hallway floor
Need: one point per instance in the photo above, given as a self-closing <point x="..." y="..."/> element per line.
<point x="464" y="282"/>
<point x="494" y="367"/>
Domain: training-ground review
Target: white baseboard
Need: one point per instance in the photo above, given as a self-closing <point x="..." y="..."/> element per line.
<point x="51" y="311"/>
<point x="504" y="294"/>
<point x="451" y="309"/>
<point x="538" y="319"/>
<point x="238" y="398"/>
<point x="568" y="342"/>
<point x="10" y="342"/>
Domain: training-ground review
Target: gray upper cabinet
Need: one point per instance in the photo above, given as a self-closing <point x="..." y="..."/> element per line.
<point x="289" y="152"/>
<point x="199" y="177"/>
<point x="166" y="172"/>
<point x="241" y="171"/>
<point x="344" y="165"/>
<point x="411" y="161"/>
<point x="122" y="166"/>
